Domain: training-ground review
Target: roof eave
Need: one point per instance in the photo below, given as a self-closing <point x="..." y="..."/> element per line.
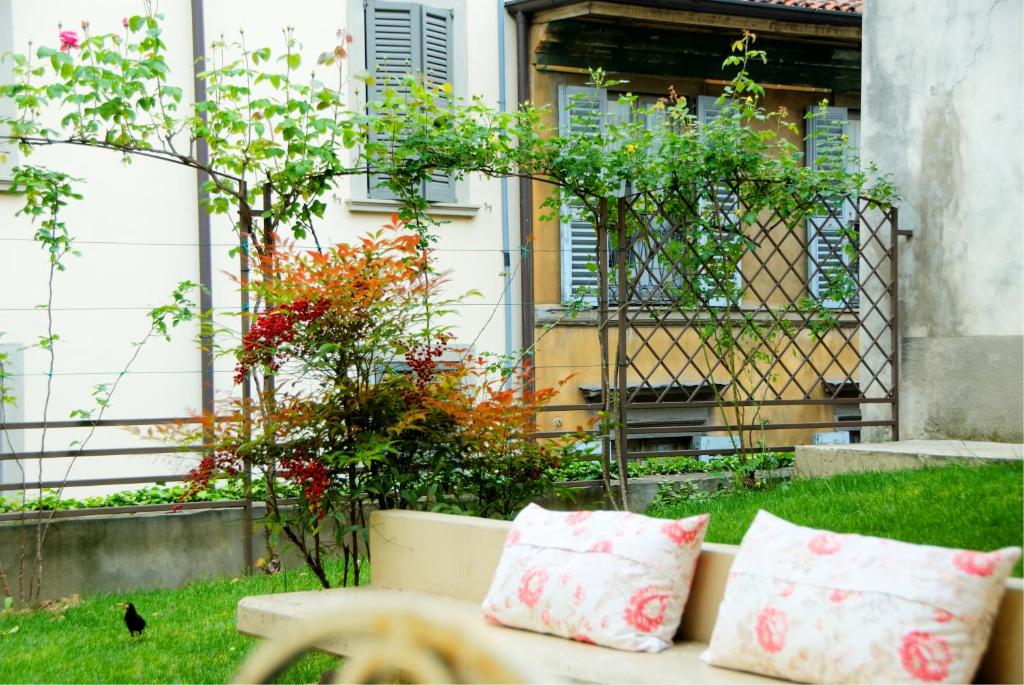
<point x="743" y="8"/>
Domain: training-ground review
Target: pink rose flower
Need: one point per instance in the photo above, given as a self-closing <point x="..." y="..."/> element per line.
<point x="646" y="611"/>
<point x="68" y="40"/>
<point x="771" y="629"/>
<point x="124" y="22"/>
<point x="925" y="656"/>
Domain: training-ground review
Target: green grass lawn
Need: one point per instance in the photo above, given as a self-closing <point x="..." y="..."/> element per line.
<point x="969" y="507"/>
<point x="190" y="637"/>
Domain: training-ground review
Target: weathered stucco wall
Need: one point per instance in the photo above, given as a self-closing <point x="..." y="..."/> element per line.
<point x="942" y="112"/>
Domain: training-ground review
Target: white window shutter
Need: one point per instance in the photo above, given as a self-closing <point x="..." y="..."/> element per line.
<point x="580" y="109"/>
<point x="724" y="204"/>
<point x="824" y="230"/>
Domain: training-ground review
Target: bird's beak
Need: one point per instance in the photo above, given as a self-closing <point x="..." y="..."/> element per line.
<point x="123" y="606"/>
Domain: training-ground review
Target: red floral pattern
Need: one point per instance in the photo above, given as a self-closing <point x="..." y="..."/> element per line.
<point x="687" y="531"/>
<point x="825" y="543"/>
<point x="925" y="656"/>
<point x="579" y="576"/>
<point x="846" y="608"/>
<point x="771" y="629"/>
<point x="646" y="610"/>
<point x="531" y="586"/>
<point x="976" y="563"/>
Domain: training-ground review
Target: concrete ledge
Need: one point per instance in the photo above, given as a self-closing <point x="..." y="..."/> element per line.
<point x="819" y="461"/>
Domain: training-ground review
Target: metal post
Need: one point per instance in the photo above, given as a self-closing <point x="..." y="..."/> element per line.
<point x="244" y="235"/>
<point x="894" y="323"/>
<point x="268" y="271"/>
<point x="602" y="313"/>
<point x="620" y="357"/>
<point x="525" y="212"/>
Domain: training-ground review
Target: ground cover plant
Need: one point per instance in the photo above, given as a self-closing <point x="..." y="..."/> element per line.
<point x="233" y="489"/>
<point x="968" y="507"/>
<point x="190" y="636"/>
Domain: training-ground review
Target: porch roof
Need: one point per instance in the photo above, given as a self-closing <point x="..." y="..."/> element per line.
<point x="835" y="12"/>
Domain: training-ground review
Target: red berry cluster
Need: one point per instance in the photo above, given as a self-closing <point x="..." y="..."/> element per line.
<point x="312" y="475"/>
<point x="422" y="359"/>
<point x="272" y="329"/>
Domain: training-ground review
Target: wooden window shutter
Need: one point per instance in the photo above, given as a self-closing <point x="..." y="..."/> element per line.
<point x="722" y="210"/>
<point x="405" y="38"/>
<point x="580" y="109"/>
<point x="824" y="230"/>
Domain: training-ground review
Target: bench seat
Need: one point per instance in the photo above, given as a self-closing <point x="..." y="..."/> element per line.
<point x="266" y="615"/>
<point x="448" y="561"/>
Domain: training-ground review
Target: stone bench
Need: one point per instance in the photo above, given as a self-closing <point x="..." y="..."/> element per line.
<point x="450" y="560"/>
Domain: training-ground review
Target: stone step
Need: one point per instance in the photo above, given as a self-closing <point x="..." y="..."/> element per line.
<point x="829" y="460"/>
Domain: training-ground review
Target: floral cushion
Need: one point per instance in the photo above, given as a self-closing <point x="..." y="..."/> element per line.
<point x="815" y="606"/>
<point x="610" y="578"/>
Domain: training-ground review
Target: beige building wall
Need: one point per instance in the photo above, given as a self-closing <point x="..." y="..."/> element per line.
<point x="137" y="231"/>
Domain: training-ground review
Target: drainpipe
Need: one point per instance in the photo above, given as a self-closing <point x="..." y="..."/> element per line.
<point x="506" y="254"/>
<point x="525" y="203"/>
<point x="203" y="217"/>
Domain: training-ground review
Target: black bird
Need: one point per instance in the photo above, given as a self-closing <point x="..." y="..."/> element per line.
<point x="132" y="619"/>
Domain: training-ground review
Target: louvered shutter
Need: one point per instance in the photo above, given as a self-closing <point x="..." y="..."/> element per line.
<point x="392" y="52"/>
<point x="405" y="38"/>
<point x="437" y="69"/>
<point x="580" y="109"/>
<point x="722" y="210"/>
<point x="826" y="258"/>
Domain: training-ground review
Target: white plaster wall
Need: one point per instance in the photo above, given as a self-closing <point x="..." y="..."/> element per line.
<point x="943" y="111"/>
<point x="137" y="230"/>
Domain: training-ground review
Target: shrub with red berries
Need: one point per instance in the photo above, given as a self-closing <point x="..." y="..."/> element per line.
<point x="374" y="405"/>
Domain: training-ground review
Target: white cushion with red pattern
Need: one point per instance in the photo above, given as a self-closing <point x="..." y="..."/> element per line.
<point x="815" y="606"/>
<point x="614" y="579"/>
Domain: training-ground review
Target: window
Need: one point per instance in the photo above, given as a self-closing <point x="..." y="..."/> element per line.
<point x="585" y="109"/>
<point x="687" y="424"/>
<point x="846" y="414"/>
<point x="409" y="38"/>
<point x="580" y="110"/>
<point x="827" y="261"/>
